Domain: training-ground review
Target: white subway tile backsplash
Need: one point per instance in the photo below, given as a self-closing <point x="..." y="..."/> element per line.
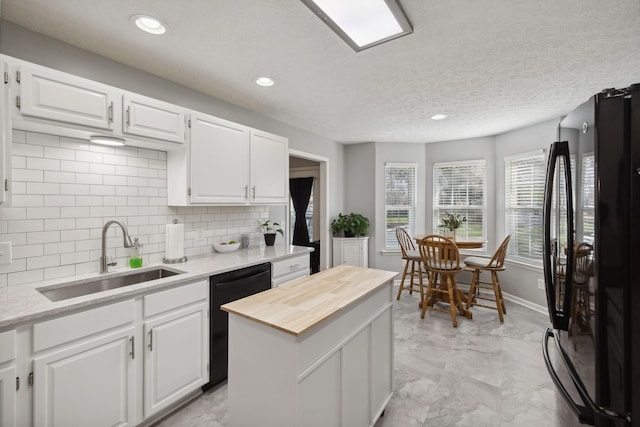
<point x="41" y="188"/>
<point x="73" y="166"/>
<point x="43" y="213"/>
<point x="60" y="177"/>
<point x="64" y="190"/>
<point x="43" y="237"/>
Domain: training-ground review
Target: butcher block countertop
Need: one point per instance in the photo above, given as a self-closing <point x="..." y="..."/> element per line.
<point x="297" y="307"/>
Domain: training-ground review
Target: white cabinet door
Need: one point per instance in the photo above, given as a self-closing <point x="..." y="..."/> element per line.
<point x="356" y="360"/>
<point x="5" y="132"/>
<point x="381" y="362"/>
<point x="176" y="357"/>
<point x="218" y="159"/>
<point x="58" y="96"/>
<point x="151" y="118"/>
<point x="87" y="384"/>
<point x="8" y="397"/>
<point x="319" y="395"/>
<point x="269" y="168"/>
<point x="351" y="251"/>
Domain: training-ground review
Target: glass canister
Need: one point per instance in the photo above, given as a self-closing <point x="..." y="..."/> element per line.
<point x="135" y="254"/>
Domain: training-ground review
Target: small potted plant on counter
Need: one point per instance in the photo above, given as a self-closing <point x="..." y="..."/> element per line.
<point x="451" y="222"/>
<point x="269" y="230"/>
<point x="352" y="225"/>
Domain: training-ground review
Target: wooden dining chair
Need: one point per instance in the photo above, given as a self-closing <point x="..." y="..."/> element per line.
<point x="441" y="260"/>
<point x="492" y="265"/>
<point x="580" y="293"/>
<point x="412" y="263"/>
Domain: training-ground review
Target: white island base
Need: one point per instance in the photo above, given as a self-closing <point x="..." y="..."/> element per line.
<point x="318" y="352"/>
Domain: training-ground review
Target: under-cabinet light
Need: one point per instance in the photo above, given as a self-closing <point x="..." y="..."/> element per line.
<point x="111" y="141"/>
<point x="439" y="117"/>
<point x="265" y="81"/>
<point x="362" y="23"/>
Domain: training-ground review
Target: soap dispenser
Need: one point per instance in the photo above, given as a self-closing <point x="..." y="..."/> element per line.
<point x="135" y="255"/>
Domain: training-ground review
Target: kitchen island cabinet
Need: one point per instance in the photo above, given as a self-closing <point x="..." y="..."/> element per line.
<point x="318" y="352"/>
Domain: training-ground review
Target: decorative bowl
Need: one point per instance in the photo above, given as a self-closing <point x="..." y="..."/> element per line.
<point x="226" y="247"/>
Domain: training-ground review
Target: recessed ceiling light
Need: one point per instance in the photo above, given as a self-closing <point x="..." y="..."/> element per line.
<point x="439" y="117"/>
<point x="149" y="24"/>
<point x="265" y="81"/>
<point x="107" y="140"/>
<point x="362" y="23"/>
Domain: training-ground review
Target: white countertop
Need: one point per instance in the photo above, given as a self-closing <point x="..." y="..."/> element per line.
<point x="24" y="303"/>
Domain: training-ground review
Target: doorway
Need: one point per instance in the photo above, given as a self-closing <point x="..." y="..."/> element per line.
<point x="310" y="170"/>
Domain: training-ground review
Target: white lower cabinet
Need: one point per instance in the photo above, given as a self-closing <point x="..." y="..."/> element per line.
<point x="96" y="367"/>
<point x="351" y="251"/>
<point x="324" y="381"/>
<point x="288" y="270"/>
<point x="91" y="383"/>
<point x="175" y="361"/>
<point x="8" y="397"/>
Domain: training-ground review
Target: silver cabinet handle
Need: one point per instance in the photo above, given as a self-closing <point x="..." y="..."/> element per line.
<point x="128" y="116"/>
<point x="254" y="191"/>
<point x="111" y="112"/>
<point x="294" y="266"/>
<point x="246" y="191"/>
<point x="150" y="339"/>
<point x="132" y="353"/>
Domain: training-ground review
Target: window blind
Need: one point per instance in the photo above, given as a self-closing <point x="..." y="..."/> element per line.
<point x="400" y="200"/>
<point x="460" y="188"/>
<point x="524" y="194"/>
<point x="588" y="197"/>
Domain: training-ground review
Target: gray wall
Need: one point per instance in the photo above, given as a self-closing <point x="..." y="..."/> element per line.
<point x="21" y="43"/>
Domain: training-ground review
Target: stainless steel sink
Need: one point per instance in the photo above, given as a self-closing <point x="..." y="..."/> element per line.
<point x="99" y="284"/>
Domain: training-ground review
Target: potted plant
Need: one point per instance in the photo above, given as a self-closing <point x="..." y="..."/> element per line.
<point x="351" y="225"/>
<point x="269" y="230"/>
<point x="452" y="221"/>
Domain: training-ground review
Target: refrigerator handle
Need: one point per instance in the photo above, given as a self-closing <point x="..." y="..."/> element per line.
<point x="559" y="316"/>
<point x="585" y="413"/>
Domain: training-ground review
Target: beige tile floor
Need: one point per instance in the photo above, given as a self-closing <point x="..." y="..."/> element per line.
<point x="482" y="373"/>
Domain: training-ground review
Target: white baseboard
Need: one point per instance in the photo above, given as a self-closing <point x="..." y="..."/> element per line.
<point x="528" y="304"/>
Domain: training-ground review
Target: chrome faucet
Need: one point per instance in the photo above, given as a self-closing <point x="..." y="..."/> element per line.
<point x="104" y="265"/>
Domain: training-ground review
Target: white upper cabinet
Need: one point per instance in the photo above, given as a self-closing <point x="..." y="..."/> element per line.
<point x="269" y="168"/>
<point x="53" y="95"/>
<point x="219" y="168"/>
<point x="5" y="131"/>
<point x="151" y="118"/>
<point x="228" y="164"/>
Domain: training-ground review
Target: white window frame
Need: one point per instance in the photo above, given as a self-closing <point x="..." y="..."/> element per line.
<point x="438" y="209"/>
<point x="535" y="261"/>
<point x="390" y="241"/>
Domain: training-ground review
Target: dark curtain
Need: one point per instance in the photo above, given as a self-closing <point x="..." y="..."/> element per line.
<point x="300" y="189"/>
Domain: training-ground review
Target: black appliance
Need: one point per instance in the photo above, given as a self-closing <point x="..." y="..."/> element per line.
<point x="224" y="288"/>
<point x="592" y="350"/>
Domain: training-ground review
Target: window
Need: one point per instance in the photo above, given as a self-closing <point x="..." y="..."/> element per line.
<point x="459" y="187"/>
<point x="588" y="197"/>
<point x="524" y="194"/>
<point x="399" y="200"/>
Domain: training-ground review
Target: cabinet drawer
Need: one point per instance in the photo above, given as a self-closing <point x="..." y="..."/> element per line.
<point x="68" y="328"/>
<point x="7" y="346"/>
<point x="176" y="297"/>
<point x="286" y="266"/>
<point x="287" y="278"/>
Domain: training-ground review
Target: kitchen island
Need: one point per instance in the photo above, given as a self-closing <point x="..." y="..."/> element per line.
<point x="318" y="351"/>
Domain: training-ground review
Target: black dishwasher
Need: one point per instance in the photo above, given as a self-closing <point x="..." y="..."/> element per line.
<point x="224" y="288"/>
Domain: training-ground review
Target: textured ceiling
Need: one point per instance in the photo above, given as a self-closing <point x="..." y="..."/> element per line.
<point x="491" y="65"/>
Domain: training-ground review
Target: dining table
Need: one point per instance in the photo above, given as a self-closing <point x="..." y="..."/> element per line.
<point x="443" y="284"/>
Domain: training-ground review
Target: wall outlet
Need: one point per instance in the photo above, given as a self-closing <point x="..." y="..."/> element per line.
<point x="5" y="253"/>
<point x="541" y="284"/>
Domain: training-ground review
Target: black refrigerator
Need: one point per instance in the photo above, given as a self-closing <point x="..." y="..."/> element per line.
<point x="591" y="258"/>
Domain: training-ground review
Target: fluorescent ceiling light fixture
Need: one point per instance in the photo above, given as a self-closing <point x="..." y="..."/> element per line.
<point x="439" y="117"/>
<point x="149" y="24"/>
<point x="111" y="141"/>
<point x="265" y="81"/>
<point x="362" y="23"/>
